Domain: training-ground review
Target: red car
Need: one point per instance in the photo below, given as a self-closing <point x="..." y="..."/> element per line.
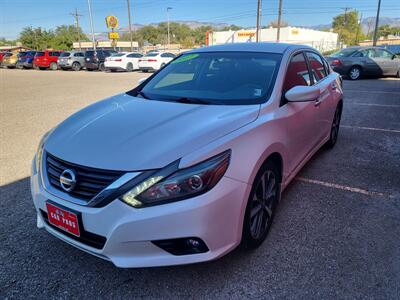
<point x="1" y="56"/>
<point x="46" y="59"/>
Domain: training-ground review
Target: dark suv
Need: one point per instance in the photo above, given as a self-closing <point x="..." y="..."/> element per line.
<point x="94" y="60"/>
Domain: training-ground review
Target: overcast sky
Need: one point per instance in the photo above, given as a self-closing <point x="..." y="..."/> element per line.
<point x="16" y="14"/>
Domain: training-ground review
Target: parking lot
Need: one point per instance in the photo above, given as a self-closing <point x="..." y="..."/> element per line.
<point x="336" y="233"/>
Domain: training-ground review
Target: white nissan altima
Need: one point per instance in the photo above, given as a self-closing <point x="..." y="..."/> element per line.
<point x="190" y="163"/>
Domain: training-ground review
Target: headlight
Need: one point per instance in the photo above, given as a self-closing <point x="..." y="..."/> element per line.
<point x="39" y="152"/>
<point x="182" y="184"/>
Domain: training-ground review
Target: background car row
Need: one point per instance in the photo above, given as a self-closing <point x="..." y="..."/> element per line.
<point x="102" y="60"/>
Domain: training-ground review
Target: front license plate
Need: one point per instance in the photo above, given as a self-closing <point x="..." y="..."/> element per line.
<point x="63" y="219"/>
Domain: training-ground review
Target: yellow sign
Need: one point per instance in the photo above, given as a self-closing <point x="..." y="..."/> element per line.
<point x="246" y="33"/>
<point x="113" y="35"/>
<point x="112" y="22"/>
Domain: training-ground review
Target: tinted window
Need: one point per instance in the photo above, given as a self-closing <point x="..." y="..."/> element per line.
<point x="317" y="66"/>
<point x="383" y="54"/>
<point x="65" y="54"/>
<point x="78" y="54"/>
<point x="39" y="54"/>
<point x="89" y="53"/>
<point x="152" y="54"/>
<point x="54" y="53"/>
<point x="297" y="73"/>
<point x="21" y="54"/>
<point x="344" y="52"/>
<point x="119" y="55"/>
<point x="217" y="77"/>
<point x="134" y="55"/>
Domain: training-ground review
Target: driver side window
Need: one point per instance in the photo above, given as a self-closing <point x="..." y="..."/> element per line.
<point x="297" y="73"/>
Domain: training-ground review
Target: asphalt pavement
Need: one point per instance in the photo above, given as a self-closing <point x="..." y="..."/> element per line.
<point x="336" y="234"/>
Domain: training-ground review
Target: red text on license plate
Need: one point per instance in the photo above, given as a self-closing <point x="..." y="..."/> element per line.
<point x="63" y="219"/>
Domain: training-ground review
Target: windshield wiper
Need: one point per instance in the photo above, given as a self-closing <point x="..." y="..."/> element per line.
<point x="191" y="100"/>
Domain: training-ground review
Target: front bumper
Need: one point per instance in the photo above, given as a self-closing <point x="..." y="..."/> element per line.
<point x="216" y="217"/>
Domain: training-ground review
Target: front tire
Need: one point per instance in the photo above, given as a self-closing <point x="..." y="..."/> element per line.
<point x="260" y="210"/>
<point x="355" y="73"/>
<point x="335" y="127"/>
<point x="129" y="67"/>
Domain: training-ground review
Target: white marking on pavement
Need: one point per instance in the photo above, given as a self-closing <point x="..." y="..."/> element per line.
<point x="373" y="104"/>
<point x="371" y="92"/>
<point x="370" y="128"/>
<point x="341" y="187"/>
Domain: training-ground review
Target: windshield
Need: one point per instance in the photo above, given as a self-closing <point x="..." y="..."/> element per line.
<point x="344" y="52"/>
<point x="226" y="78"/>
<point x="65" y="54"/>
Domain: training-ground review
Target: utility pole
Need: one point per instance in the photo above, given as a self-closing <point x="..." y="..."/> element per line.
<point x="358" y="28"/>
<point x="377" y="23"/>
<point x="278" y="32"/>
<point x="168" y="38"/>
<point x="76" y="15"/>
<point x="258" y="20"/>
<point x="130" y="23"/>
<point x="91" y="24"/>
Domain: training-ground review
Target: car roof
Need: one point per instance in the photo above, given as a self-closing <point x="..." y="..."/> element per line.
<point x="268" y="47"/>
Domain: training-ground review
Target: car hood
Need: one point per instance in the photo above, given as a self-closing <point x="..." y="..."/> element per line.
<point x="131" y="134"/>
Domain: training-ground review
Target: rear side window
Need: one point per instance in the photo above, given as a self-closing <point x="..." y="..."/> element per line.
<point x="317" y="66"/>
<point x="79" y="54"/>
<point x="38" y="54"/>
<point x="297" y="73"/>
<point x="134" y="55"/>
<point x="65" y="54"/>
<point x="54" y="53"/>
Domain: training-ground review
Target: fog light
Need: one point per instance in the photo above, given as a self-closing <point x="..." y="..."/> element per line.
<point x="193" y="243"/>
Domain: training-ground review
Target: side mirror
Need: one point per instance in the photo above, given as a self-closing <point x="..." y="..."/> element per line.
<point x="302" y="93"/>
<point x="141" y="80"/>
<point x="394" y="56"/>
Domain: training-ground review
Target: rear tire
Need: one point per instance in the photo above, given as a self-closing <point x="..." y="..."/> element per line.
<point x="53" y="66"/>
<point x="76" y="66"/>
<point x="129" y="67"/>
<point x="354" y="73"/>
<point x="261" y="205"/>
<point x="145" y="71"/>
<point x="101" y="67"/>
<point x="335" y="127"/>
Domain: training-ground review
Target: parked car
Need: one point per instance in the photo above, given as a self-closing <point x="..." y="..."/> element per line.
<point x="94" y="60"/>
<point x="192" y="162"/>
<point x="2" y="53"/>
<point x="125" y="61"/>
<point x="74" y="60"/>
<point x="46" y="59"/>
<point x="153" y="61"/>
<point x="25" y="59"/>
<point x="355" y="62"/>
<point x="10" y="60"/>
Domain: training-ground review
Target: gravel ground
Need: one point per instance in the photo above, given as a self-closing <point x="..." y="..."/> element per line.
<point x="336" y="233"/>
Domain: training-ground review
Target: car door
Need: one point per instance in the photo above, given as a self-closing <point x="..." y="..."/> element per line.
<point x="300" y="118"/>
<point x="327" y="85"/>
<point x="369" y="64"/>
<point x="389" y="64"/>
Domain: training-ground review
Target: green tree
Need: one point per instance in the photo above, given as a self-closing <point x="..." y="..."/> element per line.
<point x="348" y="27"/>
<point x="385" y="30"/>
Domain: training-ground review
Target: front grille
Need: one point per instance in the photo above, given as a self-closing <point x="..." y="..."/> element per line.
<point x="89" y="181"/>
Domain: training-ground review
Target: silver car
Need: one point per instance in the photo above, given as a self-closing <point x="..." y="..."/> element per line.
<point x="71" y="60"/>
<point x="355" y="62"/>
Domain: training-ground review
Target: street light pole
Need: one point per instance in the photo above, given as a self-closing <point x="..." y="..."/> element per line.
<point x="91" y="24"/>
<point x="377" y="23"/>
<point x="168" y="38"/>
<point x="130" y="23"/>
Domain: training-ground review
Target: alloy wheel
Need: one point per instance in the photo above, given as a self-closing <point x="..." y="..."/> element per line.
<point x="354" y="73"/>
<point x="263" y="204"/>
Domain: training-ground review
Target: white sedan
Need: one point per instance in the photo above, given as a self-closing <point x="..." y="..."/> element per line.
<point x="124" y="61"/>
<point x="154" y="61"/>
<point x="191" y="162"/>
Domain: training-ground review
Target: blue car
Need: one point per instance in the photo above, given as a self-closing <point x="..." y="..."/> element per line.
<point x="25" y="59"/>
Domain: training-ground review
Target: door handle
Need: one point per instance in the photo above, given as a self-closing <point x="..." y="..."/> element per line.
<point x="317" y="101"/>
